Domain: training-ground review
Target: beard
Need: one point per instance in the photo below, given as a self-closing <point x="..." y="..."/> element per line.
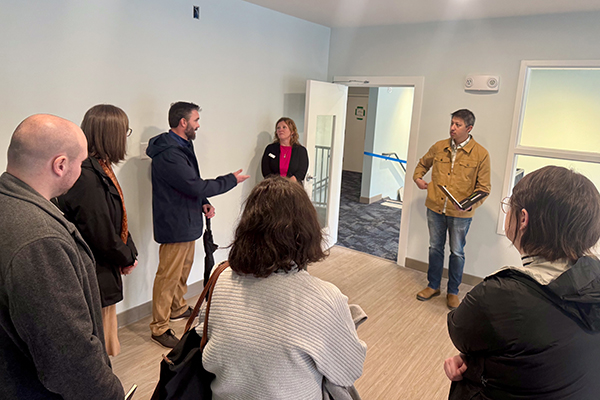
<point x="190" y="133"/>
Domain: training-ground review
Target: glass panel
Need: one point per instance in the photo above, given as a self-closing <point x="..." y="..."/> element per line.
<point x="529" y="164"/>
<point x="322" y="166"/>
<point x="562" y="109"/>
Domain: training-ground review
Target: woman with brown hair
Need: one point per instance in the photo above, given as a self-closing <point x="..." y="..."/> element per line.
<point x="274" y="330"/>
<point x="285" y="156"/>
<point x="532" y="331"/>
<point x="96" y="206"/>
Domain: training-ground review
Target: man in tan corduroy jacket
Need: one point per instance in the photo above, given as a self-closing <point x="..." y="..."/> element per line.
<point x="463" y="166"/>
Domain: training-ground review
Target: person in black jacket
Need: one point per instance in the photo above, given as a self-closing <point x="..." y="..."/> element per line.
<point x="179" y="198"/>
<point x="533" y="331"/>
<point x="285" y="156"/>
<point x="96" y="206"/>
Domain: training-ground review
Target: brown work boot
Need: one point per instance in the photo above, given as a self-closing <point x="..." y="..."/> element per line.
<point x="452" y="301"/>
<point x="427" y="294"/>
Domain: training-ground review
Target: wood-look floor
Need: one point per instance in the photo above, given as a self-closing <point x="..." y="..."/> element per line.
<point x="407" y="339"/>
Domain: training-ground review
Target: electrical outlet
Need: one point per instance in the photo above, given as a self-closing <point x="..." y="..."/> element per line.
<point x="143" y="147"/>
<point x="197" y="12"/>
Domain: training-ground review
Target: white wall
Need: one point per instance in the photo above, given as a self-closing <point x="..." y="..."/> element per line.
<point x="245" y="65"/>
<point x="444" y="53"/>
<point x="392" y="130"/>
<point x="367" y="169"/>
<point x="354" y="138"/>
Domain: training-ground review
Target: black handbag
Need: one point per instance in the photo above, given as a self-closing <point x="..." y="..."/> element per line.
<point x="182" y="376"/>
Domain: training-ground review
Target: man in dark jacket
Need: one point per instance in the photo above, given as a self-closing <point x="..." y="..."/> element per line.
<point x="179" y="198"/>
<point x="51" y="338"/>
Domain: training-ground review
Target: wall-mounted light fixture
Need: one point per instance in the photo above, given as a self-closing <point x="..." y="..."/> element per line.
<point x="482" y="83"/>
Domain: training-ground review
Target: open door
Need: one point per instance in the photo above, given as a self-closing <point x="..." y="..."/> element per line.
<point x="325" y="122"/>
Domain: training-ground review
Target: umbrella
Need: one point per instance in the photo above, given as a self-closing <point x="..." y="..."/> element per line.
<point x="209" y="248"/>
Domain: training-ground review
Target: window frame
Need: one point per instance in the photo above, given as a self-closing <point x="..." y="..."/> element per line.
<point x="514" y="149"/>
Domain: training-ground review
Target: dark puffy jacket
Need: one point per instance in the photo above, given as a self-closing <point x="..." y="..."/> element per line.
<point x="523" y="340"/>
<point x="178" y="190"/>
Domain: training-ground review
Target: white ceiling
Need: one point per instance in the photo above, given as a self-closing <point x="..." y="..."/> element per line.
<point x="355" y="13"/>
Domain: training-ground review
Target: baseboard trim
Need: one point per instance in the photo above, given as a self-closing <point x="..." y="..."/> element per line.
<point x="422" y="266"/>
<point x="370" y="200"/>
<point x="143" y="310"/>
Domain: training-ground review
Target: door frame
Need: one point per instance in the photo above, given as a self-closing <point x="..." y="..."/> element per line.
<point x="417" y="82"/>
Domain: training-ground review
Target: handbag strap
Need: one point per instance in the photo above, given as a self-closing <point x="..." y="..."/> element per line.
<point x="208" y="289"/>
<point x="216" y="274"/>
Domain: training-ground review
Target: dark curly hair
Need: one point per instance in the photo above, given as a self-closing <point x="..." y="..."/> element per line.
<point x="564" y="213"/>
<point x="278" y="230"/>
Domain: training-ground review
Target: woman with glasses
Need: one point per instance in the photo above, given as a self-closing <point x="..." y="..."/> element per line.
<point x="96" y="206"/>
<point x="532" y="331"/>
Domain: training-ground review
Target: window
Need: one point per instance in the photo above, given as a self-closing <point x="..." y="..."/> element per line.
<point x="556" y="121"/>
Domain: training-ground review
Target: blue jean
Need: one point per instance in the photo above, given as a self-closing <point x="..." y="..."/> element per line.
<point x="457" y="228"/>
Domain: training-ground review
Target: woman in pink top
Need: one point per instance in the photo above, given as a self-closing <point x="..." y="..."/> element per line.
<point x="285" y="156"/>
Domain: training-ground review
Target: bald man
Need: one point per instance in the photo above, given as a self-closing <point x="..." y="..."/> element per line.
<point x="51" y="339"/>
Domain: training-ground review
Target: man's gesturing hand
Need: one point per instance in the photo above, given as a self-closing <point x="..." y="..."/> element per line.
<point x="240" y="178"/>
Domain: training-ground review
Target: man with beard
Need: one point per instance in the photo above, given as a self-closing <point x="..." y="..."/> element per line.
<point x="51" y="338"/>
<point x="179" y="198"/>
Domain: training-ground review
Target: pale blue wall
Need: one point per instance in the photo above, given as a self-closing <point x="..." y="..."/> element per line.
<point x="367" y="172"/>
<point x="244" y="64"/>
<point x="392" y="131"/>
<point x="444" y="53"/>
<point x="247" y="66"/>
<point x="388" y="130"/>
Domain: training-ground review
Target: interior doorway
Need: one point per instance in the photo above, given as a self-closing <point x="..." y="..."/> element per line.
<point x="378" y="121"/>
<point x="404" y="195"/>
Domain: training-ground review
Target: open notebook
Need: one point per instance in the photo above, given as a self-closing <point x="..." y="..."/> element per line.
<point x="467" y="202"/>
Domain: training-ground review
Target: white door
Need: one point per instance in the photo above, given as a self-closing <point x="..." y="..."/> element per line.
<point x="324" y="124"/>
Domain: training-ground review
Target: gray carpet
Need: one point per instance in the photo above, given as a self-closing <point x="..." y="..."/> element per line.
<point x="369" y="228"/>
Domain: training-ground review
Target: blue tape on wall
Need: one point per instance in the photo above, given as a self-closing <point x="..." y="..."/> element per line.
<point x="384" y="157"/>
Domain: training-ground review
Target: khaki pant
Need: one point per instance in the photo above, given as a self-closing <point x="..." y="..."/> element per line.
<point x="170" y="284"/>
<point x="111" y="329"/>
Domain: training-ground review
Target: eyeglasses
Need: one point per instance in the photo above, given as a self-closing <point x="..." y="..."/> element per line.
<point x="129" y="130"/>
<point x="505" y="204"/>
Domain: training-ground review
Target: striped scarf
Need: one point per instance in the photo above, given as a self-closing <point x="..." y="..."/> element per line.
<point x="108" y="171"/>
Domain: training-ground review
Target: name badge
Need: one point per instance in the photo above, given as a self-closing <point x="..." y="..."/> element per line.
<point x="271" y="155"/>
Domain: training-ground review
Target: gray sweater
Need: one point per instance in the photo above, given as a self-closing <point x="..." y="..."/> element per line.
<point x="277" y="337"/>
<point x="51" y="339"/>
